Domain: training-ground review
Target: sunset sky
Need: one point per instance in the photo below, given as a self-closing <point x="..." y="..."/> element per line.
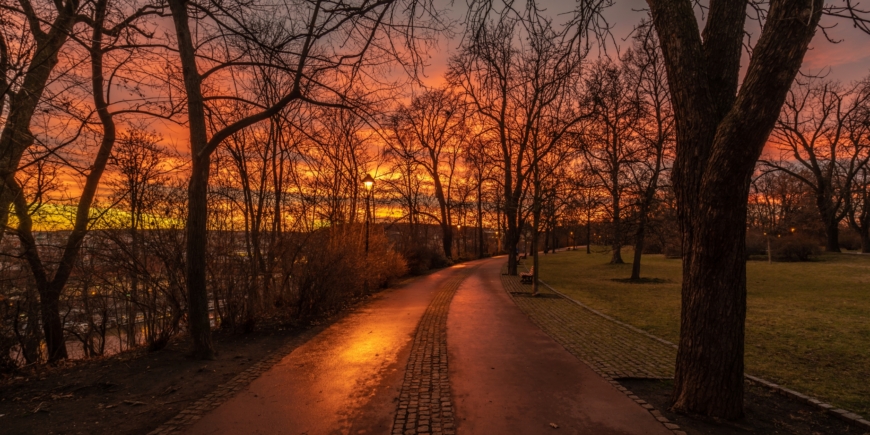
<point x="846" y="61"/>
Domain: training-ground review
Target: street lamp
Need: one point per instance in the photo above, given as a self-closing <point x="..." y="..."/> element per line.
<point x="459" y="241"/>
<point x="369" y="183"/>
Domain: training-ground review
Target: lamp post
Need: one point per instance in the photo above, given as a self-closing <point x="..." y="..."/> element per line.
<point x="459" y="241"/>
<point x="369" y="183"/>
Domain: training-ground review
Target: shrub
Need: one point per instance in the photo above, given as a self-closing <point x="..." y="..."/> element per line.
<point x="756" y="244"/>
<point x="421" y="258"/>
<point x="794" y="248"/>
<point x="849" y="240"/>
<point x="331" y="268"/>
<point x="653" y="246"/>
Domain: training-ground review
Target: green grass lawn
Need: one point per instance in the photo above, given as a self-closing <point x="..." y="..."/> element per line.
<point x="807" y="324"/>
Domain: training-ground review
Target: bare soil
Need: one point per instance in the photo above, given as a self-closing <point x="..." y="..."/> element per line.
<point x="767" y="412"/>
<point x="134" y="392"/>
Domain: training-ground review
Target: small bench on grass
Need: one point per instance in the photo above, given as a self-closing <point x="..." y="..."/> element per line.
<point x="527" y="277"/>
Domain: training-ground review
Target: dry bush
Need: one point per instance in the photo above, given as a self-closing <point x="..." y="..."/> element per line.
<point x="421" y="258"/>
<point x="850" y="240"/>
<point x="331" y="268"/>
<point x="756" y="243"/>
<point x="794" y="248"/>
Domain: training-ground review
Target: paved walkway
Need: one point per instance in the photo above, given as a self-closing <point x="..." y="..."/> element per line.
<point x="509" y="377"/>
<point x="447" y="353"/>
<point x="610" y="348"/>
<point x="345" y="380"/>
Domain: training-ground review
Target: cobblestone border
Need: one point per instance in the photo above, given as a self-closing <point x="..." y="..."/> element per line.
<point x="822" y="406"/>
<point x="424" y="406"/>
<point x="669" y="425"/>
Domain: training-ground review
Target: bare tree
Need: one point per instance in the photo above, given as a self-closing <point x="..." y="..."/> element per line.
<point x="823" y="129"/>
<point x="50" y="283"/>
<point x="322" y="47"/>
<point x="722" y="124"/>
<point x="523" y="92"/>
<point x="143" y="166"/>
<point x="608" y="141"/>
<point x="654" y="130"/>
<point x="431" y="133"/>
<point x="51" y="24"/>
<point x="859" y="208"/>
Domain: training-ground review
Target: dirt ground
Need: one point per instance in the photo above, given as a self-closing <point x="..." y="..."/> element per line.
<point x="131" y="393"/>
<point x="767" y="412"/>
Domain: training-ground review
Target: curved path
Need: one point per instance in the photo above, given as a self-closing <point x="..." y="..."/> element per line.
<point x="444" y="354"/>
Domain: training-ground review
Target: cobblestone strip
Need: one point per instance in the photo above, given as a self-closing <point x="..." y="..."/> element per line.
<point x="424" y="402"/>
<point x="578" y="328"/>
<point x="608" y="347"/>
<point x="826" y="407"/>
<point x="225" y="391"/>
<point x="612" y="349"/>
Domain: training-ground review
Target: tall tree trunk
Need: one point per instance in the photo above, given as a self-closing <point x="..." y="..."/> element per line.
<point x="197" y="243"/>
<point x="865" y="240"/>
<point x="51" y="288"/>
<point x="447" y="239"/>
<point x="638" y="246"/>
<point x="832" y="236"/>
<point x="480" y="240"/>
<point x="616" y="257"/>
<point x="16" y="136"/>
<point x="536" y="219"/>
<point x="721" y="131"/>
<point x="197" y="214"/>
<point x="512" y="236"/>
<point x="588" y="234"/>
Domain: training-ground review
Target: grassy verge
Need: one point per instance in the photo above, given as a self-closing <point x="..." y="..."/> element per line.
<point x="807" y="325"/>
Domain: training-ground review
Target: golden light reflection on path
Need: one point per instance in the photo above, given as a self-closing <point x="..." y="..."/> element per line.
<point x="344" y="380"/>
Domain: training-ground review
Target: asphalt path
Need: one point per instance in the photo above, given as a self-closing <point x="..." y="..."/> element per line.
<point x="506" y="376"/>
<point x="509" y="377"/>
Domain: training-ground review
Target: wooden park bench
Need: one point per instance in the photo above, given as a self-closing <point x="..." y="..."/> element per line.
<point x="527" y="277"/>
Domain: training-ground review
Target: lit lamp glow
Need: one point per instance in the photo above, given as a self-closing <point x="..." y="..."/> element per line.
<point x="368" y="182"/>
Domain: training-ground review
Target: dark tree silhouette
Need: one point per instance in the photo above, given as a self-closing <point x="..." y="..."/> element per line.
<point x="722" y="124"/>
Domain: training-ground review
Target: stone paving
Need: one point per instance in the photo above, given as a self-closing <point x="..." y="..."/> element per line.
<point x="424" y="402"/>
<point x="613" y="349"/>
<point x="617" y="350"/>
<point x="610" y="348"/>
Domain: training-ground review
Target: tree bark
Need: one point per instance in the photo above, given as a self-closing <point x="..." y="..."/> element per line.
<point x="480" y="241"/>
<point x="16" y="136"/>
<point x="512" y="235"/>
<point x="588" y="234"/>
<point x="638" y="245"/>
<point x="829" y="214"/>
<point x="720" y="135"/>
<point x="197" y="215"/>
<point x="865" y="240"/>
<point x="51" y="287"/>
<point x="447" y="239"/>
<point x="616" y="247"/>
<point x="832" y="236"/>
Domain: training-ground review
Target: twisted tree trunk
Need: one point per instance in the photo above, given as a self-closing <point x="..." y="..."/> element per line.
<point x="720" y="135"/>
